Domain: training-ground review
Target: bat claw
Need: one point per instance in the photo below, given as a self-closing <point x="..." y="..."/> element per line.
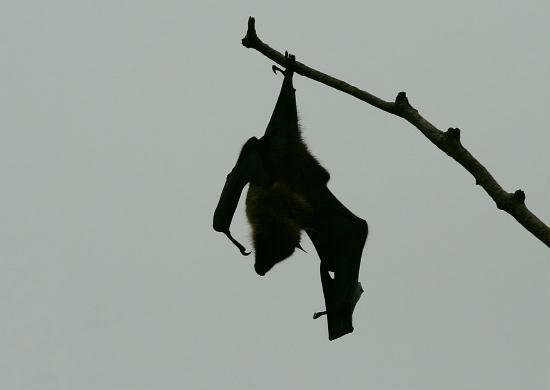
<point x="300" y="247"/>
<point x="276" y="69"/>
<point x="290" y="59"/>
<point x="241" y="248"/>
<point x="318" y="314"/>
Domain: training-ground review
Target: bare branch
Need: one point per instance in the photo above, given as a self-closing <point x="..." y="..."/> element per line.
<point x="448" y="141"/>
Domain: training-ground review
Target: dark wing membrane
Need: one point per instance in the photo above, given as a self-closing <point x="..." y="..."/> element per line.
<point x="249" y="168"/>
<point x="339" y="238"/>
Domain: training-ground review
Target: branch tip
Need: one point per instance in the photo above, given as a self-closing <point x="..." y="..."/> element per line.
<point x="252" y="24"/>
<point x="250" y="36"/>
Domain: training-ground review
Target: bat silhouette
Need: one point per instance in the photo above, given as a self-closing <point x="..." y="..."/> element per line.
<point x="288" y="194"/>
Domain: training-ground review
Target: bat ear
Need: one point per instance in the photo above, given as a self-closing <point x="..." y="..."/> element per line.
<point x="300" y="247"/>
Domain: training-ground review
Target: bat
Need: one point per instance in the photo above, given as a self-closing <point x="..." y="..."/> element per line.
<point x="288" y="194"/>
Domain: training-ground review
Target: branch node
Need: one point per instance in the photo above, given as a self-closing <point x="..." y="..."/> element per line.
<point x="250" y="38"/>
<point x="519" y="196"/>
<point x="401" y="100"/>
<point x="510" y="199"/>
<point x="452" y="136"/>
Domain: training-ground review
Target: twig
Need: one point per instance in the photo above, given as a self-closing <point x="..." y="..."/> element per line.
<point x="448" y="141"/>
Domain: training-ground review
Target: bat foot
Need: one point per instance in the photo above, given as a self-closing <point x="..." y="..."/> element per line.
<point x="290" y="59"/>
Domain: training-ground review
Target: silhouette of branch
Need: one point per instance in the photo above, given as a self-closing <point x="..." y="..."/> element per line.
<point x="448" y="141"/>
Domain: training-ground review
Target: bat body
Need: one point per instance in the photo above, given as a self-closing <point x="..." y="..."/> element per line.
<point x="288" y="194"/>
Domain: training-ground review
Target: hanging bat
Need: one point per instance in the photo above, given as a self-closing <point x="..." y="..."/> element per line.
<point x="288" y="194"/>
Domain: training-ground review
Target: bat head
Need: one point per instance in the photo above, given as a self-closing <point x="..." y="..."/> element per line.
<point x="273" y="245"/>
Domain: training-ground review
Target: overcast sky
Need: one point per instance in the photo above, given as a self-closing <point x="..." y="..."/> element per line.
<point x="119" y="121"/>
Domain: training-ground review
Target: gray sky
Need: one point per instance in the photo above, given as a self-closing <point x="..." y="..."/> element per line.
<point x="119" y="121"/>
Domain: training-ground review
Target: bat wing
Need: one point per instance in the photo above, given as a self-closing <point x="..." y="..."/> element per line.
<point x="338" y="237"/>
<point x="249" y="168"/>
<point x="260" y="156"/>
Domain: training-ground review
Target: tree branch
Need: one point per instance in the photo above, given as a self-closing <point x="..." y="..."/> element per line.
<point x="448" y="141"/>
